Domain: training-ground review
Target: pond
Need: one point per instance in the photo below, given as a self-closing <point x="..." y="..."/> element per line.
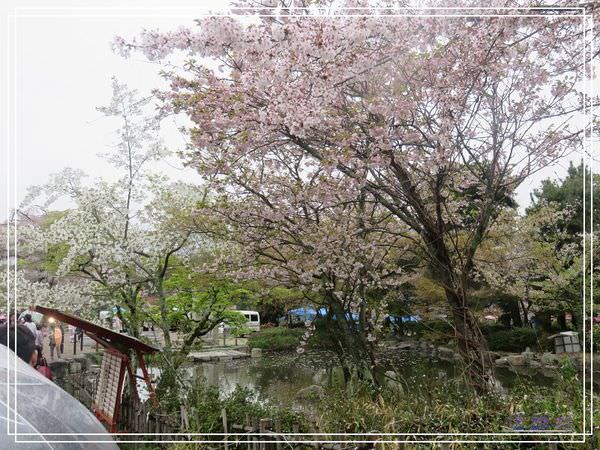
<point x="278" y="376"/>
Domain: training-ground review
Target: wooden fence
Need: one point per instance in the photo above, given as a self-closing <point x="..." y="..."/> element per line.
<point x="142" y="419"/>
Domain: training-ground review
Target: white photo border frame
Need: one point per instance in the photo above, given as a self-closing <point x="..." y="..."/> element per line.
<point x="207" y="12"/>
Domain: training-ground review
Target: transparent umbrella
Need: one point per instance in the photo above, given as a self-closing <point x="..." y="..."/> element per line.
<point x="40" y="415"/>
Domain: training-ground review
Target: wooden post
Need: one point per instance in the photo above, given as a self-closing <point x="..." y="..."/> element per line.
<point x="278" y="432"/>
<point x="185" y="421"/>
<point x="264" y="427"/>
<point x="140" y="358"/>
<point x="552" y="446"/>
<point x="224" y="416"/>
<point x="255" y="428"/>
<point x="246" y="428"/>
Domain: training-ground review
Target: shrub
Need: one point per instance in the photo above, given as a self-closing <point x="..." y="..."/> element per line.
<point x="512" y="340"/>
<point x="433" y="404"/>
<point x="596" y="332"/>
<point x="490" y="329"/>
<point x="323" y="336"/>
<point x="277" y="338"/>
<point x="207" y="404"/>
<point x="284" y="338"/>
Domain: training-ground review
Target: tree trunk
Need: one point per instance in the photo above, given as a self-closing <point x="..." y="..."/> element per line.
<point x="472" y="347"/>
<point x="515" y="314"/>
<point x="544" y="319"/>
<point x="525" y="312"/>
<point x="355" y="353"/>
<point x="562" y="320"/>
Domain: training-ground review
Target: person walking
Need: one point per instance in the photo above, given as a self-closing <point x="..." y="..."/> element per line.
<point x="30" y="325"/>
<point x="117" y="324"/>
<point x="39" y="341"/>
<point x="61" y="327"/>
<point x="54" y="339"/>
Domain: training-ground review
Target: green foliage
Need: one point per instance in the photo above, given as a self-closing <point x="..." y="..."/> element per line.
<point x="201" y="296"/>
<point x="323" y="337"/>
<point x="434" y="404"/>
<point x="277" y="338"/>
<point x="271" y="303"/>
<point x="569" y="193"/>
<point x="512" y="340"/>
<point x="206" y="406"/>
<point x="492" y="328"/>
<point x="436" y="331"/>
<point x="284" y="338"/>
<point x="426" y="288"/>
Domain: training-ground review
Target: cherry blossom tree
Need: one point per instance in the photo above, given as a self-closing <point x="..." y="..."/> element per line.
<point x="339" y="248"/>
<point x="437" y="118"/>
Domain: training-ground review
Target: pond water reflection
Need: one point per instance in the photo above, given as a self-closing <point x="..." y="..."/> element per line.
<point x="278" y="376"/>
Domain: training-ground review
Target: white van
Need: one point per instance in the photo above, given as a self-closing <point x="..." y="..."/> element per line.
<point x="252" y="321"/>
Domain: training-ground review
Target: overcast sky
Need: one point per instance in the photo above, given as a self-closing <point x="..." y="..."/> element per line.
<point x="62" y="68"/>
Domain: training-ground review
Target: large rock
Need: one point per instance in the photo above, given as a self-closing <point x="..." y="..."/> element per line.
<point x="424" y="344"/>
<point x="404" y="345"/>
<point x="549" y="359"/>
<point x="517" y="360"/>
<point x="320" y="376"/>
<point x="392" y="381"/>
<point x="256" y="353"/>
<point x="445" y="353"/>
<point x="528" y="355"/>
<point x="91" y="357"/>
<point x="85" y="363"/>
<point x="502" y="362"/>
<point x="535" y="364"/>
<point x="310" y="392"/>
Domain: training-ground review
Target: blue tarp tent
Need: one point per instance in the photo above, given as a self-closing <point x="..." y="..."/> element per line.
<point x="402" y="319"/>
<point x="310" y="314"/>
<point x="305" y="314"/>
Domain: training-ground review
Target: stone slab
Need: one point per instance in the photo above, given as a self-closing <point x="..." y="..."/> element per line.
<point x="217" y="355"/>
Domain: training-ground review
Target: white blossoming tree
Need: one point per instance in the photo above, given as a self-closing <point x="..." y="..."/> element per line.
<point x="124" y="237"/>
